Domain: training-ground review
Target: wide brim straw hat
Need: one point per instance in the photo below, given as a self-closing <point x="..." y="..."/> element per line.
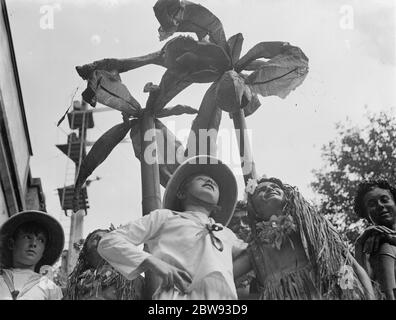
<point x="54" y="229"/>
<point x="214" y="168"/>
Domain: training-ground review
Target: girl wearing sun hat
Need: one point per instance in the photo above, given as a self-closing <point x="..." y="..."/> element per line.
<point x="190" y="248"/>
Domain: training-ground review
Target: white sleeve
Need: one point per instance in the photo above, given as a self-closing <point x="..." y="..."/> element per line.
<point x="120" y="247"/>
<point x="238" y="245"/>
<point x="54" y="292"/>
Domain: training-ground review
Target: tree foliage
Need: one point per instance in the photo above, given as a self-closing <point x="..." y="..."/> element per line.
<point x="358" y="153"/>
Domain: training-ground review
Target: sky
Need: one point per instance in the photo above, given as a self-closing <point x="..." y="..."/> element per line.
<point x="351" y="49"/>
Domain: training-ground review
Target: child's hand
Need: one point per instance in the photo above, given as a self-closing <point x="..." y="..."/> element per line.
<point x="171" y="276"/>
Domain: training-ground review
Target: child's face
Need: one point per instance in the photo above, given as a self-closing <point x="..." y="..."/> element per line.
<point x="205" y="188"/>
<point x="268" y="199"/>
<point x="28" y="249"/>
<point x="380" y="206"/>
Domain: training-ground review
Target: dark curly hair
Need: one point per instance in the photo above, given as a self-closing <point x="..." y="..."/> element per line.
<point x="81" y="266"/>
<point x="273" y="180"/>
<point x="286" y="189"/>
<point x="365" y="187"/>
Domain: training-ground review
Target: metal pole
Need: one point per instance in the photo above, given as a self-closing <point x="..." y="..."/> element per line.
<point x="245" y="153"/>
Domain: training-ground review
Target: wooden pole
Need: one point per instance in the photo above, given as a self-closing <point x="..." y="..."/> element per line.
<point x="245" y="153"/>
<point x="76" y="234"/>
<point x="151" y="194"/>
<point x="77" y="218"/>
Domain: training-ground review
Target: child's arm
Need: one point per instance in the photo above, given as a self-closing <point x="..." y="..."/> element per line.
<point x="386" y="275"/>
<point x="386" y="271"/>
<point x="171" y="276"/>
<point x="364" y="279"/>
<point x="120" y="249"/>
<point x="240" y="256"/>
<point x="363" y="259"/>
<point x="121" y="246"/>
<point x="242" y="265"/>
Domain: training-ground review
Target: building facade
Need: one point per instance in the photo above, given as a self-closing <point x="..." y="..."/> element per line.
<point x="19" y="191"/>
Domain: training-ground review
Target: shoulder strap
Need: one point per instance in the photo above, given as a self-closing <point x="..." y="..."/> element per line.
<point x="9" y="281"/>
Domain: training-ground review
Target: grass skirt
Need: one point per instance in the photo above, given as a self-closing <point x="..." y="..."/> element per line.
<point x="327" y="255"/>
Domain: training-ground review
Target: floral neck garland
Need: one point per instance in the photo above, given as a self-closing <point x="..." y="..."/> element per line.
<point x="276" y="231"/>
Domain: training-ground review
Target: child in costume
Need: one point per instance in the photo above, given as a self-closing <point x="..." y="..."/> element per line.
<point x="94" y="279"/>
<point x="295" y="252"/>
<point x="30" y="241"/>
<point x="239" y="224"/>
<point x="375" y="249"/>
<point x="189" y="246"/>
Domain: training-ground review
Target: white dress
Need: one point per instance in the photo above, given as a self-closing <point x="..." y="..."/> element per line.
<point x="182" y="240"/>
<point x="31" y="286"/>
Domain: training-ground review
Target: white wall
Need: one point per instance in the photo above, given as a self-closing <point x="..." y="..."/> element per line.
<point x="9" y="93"/>
<point x="3" y="209"/>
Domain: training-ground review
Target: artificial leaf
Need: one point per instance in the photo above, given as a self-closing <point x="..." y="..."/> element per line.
<point x="185" y="16"/>
<point x="204" y="76"/>
<point x="150" y="87"/>
<point x="252" y="106"/>
<point x="254" y="65"/>
<point x="170" y="151"/>
<point x="206" y="56"/>
<point x="171" y="84"/>
<point x="188" y="55"/>
<point x="168" y="14"/>
<point x="176" y="111"/>
<point x="120" y="65"/>
<point x="231" y="92"/>
<point x="206" y="122"/>
<point x="265" y="50"/>
<point x="198" y="19"/>
<point x="176" y="47"/>
<point x="188" y="61"/>
<point x="106" y="88"/>
<point x="98" y="153"/>
<point x="135" y="137"/>
<point x="235" y="47"/>
<point x="280" y="75"/>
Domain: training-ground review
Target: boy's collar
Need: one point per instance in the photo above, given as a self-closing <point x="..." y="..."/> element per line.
<point x="197" y="216"/>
